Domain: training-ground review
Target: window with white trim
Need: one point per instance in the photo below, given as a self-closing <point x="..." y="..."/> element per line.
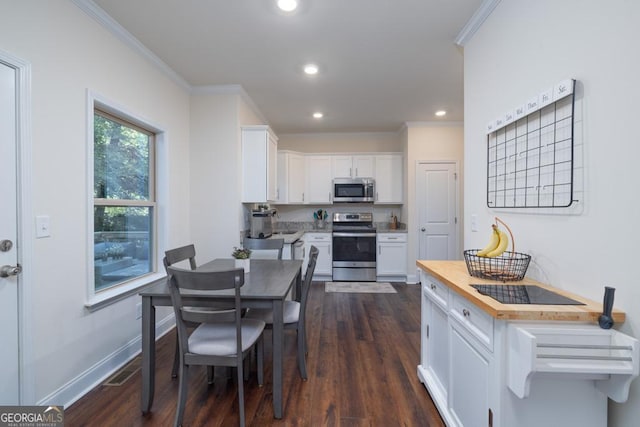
<point x="124" y="200"/>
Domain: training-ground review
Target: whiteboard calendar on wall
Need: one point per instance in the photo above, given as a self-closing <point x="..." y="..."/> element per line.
<point x="530" y="152"/>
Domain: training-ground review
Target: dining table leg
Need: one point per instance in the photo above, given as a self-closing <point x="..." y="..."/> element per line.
<point x="148" y="353"/>
<point x="278" y="350"/>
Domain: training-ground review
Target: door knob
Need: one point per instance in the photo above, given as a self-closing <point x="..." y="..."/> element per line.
<point x="423" y="229"/>
<point x="10" y="270"/>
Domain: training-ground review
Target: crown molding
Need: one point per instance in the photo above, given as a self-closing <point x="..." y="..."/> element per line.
<point x="99" y="15"/>
<point x="475" y="22"/>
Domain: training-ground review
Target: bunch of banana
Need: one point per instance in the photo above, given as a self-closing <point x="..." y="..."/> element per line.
<point x="497" y="245"/>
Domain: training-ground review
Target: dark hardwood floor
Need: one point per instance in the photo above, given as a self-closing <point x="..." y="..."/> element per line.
<point x="363" y="354"/>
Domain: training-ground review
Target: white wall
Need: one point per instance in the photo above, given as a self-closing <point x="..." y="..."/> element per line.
<point x="216" y="209"/>
<point x="523" y="48"/>
<point x="70" y="53"/>
<point x="217" y="215"/>
<point x="347" y="142"/>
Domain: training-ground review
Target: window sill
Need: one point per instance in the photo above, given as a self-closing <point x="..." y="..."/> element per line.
<point x="110" y="296"/>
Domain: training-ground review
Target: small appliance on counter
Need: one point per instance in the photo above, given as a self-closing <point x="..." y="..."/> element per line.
<point x="262" y="223"/>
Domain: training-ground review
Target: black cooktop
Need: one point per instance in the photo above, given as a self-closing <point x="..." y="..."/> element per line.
<point x="524" y="294"/>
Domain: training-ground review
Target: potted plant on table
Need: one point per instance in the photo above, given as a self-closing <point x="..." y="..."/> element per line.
<point x="241" y="256"/>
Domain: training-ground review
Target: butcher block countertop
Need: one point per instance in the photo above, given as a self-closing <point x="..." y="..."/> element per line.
<point x="455" y="275"/>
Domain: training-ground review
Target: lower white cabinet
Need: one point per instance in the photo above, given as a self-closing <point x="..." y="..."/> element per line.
<point x="323" y="242"/>
<point x="469" y="392"/>
<point x="435" y="340"/>
<point x="391" y="259"/>
<point x="483" y="371"/>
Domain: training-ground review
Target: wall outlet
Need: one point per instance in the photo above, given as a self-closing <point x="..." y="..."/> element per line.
<point x="138" y="310"/>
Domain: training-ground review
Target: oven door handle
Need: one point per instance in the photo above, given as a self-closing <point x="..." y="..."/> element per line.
<point x="354" y="234"/>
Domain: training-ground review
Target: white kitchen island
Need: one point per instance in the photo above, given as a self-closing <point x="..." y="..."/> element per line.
<point x="491" y="364"/>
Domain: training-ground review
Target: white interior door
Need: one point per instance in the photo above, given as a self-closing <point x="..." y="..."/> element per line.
<point x="437" y="203"/>
<point x="9" y="362"/>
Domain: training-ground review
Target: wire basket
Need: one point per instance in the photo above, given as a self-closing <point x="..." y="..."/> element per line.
<point x="508" y="267"/>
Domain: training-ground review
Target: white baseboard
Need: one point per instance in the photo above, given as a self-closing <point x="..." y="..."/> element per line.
<point x="95" y="375"/>
<point x="413" y="279"/>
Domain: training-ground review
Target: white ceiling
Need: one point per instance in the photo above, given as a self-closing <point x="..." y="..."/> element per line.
<point x="382" y="62"/>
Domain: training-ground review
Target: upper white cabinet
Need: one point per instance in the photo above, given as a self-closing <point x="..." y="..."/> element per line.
<point x="359" y="166"/>
<point x="259" y="164"/>
<point x="388" y="175"/>
<point x="306" y="178"/>
<point x="318" y="179"/>
<point x="291" y="177"/>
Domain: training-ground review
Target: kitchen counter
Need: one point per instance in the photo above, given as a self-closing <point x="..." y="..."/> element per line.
<point x="384" y="227"/>
<point x="455" y="275"/>
<point x="288" y="236"/>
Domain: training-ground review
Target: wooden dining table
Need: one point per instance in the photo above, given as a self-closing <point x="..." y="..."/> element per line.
<point x="266" y="285"/>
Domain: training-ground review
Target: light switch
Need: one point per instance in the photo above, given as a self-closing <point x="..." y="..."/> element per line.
<point x="474" y="222"/>
<point x="42" y="226"/>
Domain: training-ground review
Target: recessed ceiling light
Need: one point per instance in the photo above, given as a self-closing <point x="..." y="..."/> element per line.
<point x="311" y="69"/>
<point x="288" y="5"/>
<point x="441" y="113"/>
<point x="318" y="115"/>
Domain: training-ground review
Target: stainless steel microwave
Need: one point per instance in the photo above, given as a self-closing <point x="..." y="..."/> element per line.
<point x="353" y="190"/>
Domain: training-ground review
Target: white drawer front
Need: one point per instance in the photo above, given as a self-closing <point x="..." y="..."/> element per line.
<point x="479" y="323"/>
<point x="317" y="237"/>
<point x="436" y="291"/>
<point x="392" y="237"/>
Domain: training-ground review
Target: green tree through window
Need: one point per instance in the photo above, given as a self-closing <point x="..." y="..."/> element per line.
<point x="124" y="200"/>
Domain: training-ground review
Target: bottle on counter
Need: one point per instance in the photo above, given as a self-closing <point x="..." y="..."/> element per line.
<point x="393" y="222"/>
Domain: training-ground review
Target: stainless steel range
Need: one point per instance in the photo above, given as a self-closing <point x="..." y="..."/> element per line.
<point x="354" y="247"/>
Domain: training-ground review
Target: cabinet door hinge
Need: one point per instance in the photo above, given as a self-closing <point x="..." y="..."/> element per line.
<point x="427" y="331"/>
<point x="490" y="418"/>
<point x="455" y="220"/>
<point x="455" y="175"/>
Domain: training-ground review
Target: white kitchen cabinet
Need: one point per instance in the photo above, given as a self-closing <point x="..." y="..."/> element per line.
<point x="259" y="164"/>
<point x="392" y="254"/>
<point x="486" y="371"/>
<point x="469" y="379"/>
<point x="323" y="242"/>
<point x="291" y="178"/>
<point x="434" y="354"/>
<point x="318" y="179"/>
<point x="388" y="176"/>
<point x="358" y="166"/>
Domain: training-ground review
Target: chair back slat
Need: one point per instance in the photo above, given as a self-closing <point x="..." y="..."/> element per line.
<point x="207" y="280"/>
<point x="174" y="256"/>
<point x="194" y="282"/>
<point x="264" y="244"/>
